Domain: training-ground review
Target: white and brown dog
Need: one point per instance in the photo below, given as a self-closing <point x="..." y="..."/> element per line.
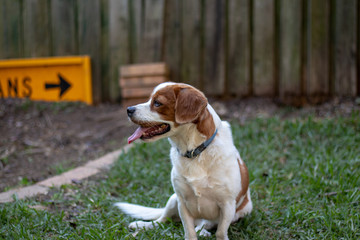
<point x="210" y="180"/>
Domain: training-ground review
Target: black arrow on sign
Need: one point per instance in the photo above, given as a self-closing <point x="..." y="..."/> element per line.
<point x="63" y="85"/>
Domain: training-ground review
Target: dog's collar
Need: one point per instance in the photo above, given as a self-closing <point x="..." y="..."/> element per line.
<point x="195" y="152"/>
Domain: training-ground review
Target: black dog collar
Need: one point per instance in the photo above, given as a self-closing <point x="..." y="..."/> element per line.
<point x="195" y="152"/>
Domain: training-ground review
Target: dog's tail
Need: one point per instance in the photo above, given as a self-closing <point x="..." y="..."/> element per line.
<point x="141" y="212"/>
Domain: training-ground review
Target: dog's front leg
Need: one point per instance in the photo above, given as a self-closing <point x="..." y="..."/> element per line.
<point x="227" y="211"/>
<point x="187" y="221"/>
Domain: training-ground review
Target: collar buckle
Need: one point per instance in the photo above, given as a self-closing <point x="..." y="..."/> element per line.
<point x="195" y="152"/>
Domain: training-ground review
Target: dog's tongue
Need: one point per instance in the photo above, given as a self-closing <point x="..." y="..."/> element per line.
<point x="137" y="134"/>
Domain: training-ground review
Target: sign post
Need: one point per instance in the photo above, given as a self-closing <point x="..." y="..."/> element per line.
<point x="47" y="79"/>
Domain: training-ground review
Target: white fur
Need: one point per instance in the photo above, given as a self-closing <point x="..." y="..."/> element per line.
<point x="205" y="187"/>
<point x="137" y="211"/>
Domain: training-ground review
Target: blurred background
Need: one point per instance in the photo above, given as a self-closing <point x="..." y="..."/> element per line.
<point x="298" y="51"/>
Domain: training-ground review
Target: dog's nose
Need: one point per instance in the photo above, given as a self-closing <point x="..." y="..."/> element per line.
<point x="130" y="111"/>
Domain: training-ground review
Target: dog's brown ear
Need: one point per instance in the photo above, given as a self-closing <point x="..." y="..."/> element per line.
<point x="189" y="104"/>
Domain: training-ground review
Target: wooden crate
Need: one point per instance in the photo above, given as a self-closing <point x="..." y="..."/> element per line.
<point x="137" y="81"/>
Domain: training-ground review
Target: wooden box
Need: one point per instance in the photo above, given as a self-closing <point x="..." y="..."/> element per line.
<point x="137" y="81"/>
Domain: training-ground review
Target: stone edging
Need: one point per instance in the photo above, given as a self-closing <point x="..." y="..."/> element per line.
<point x="79" y="173"/>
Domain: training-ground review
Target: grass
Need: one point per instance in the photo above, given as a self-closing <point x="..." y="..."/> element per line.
<point x="304" y="176"/>
<point x="60" y="168"/>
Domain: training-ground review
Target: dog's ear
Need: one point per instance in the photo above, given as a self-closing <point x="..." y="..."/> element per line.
<point x="189" y="105"/>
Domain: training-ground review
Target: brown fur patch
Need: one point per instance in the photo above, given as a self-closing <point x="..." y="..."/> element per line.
<point x="190" y="103"/>
<point x="243" y="204"/>
<point x="206" y="124"/>
<point x="167" y="98"/>
<point x="244" y="185"/>
<point x="181" y="103"/>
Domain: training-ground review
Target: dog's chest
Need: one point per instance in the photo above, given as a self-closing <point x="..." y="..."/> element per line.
<point x="200" y="192"/>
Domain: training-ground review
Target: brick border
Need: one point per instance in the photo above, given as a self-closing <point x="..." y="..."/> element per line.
<point x="79" y="173"/>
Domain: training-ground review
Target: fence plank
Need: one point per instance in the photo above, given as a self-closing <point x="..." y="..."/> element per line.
<point x="214" y="58"/>
<point x="172" y="38"/>
<point x="191" y="68"/>
<point x="345" y="48"/>
<point x="89" y="20"/>
<point x="290" y="50"/>
<point x="105" y="52"/>
<point x="151" y="36"/>
<point x="37" y="37"/>
<point x="63" y="28"/>
<point x="263" y="63"/>
<point x="118" y="42"/>
<point x="11" y="42"/>
<point x="358" y="50"/>
<point x="238" y="48"/>
<point x="132" y="29"/>
<point x="318" y="84"/>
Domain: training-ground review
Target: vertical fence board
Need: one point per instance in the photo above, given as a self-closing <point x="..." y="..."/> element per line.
<point x="358" y="49"/>
<point x="89" y="31"/>
<point x="118" y="42"/>
<point x="214" y="59"/>
<point x="263" y="64"/>
<point x="63" y="28"/>
<point x="172" y="38"/>
<point x="11" y="40"/>
<point x="37" y="37"/>
<point x="136" y="19"/>
<point x="305" y="52"/>
<point x="345" y="48"/>
<point x="105" y="52"/>
<point x="191" y="68"/>
<point x="318" y="84"/>
<point x="238" y="63"/>
<point x="150" y="44"/>
<point x="290" y="50"/>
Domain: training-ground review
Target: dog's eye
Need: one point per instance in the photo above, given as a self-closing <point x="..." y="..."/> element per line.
<point x="157" y="103"/>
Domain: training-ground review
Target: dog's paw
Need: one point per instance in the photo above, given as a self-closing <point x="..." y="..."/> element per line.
<point x="203" y="232"/>
<point x="142" y="225"/>
<point x="222" y="236"/>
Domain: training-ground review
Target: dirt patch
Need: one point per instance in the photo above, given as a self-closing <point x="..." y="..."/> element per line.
<point x="40" y="139"/>
<point x="245" y="109"/>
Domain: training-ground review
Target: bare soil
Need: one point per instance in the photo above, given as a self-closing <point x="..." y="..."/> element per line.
<point x="40" y="139"/>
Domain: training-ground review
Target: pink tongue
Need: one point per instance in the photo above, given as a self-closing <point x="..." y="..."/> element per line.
<point x="137" y="134"/>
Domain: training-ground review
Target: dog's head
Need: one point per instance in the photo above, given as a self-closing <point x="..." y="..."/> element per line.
<point x="170" y="105"/>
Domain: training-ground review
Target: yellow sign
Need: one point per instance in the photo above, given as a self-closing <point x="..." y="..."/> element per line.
<point x="48" y="79"/>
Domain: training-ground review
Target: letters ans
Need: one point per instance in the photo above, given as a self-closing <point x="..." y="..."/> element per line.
<point x="15" y="88"/>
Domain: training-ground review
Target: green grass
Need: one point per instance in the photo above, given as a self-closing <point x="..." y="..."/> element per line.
<point x="60" y="168"/>
<point x="293" y="164"/>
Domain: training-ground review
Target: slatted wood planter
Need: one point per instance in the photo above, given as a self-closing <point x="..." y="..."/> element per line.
<point x="137" y="81"/>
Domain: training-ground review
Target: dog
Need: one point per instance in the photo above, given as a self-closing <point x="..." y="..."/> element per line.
<point x="210" y="180"/>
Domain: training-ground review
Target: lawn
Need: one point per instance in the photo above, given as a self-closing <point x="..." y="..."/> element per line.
<point x="304" y="177"/>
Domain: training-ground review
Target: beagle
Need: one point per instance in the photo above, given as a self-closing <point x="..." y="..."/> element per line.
<point x="210" y="180"/>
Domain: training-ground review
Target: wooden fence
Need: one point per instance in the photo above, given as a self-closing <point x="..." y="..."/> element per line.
<point x="297" y="50"/>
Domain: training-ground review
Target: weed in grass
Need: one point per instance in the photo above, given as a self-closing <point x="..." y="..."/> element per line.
<point x="59" y="168"/>
<point x="24" y="181"/>
<point x="25" y="105"/>
<point x="304" y="178"/>
<point x="4" y="161"/>
<point x="68" y="107"/>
